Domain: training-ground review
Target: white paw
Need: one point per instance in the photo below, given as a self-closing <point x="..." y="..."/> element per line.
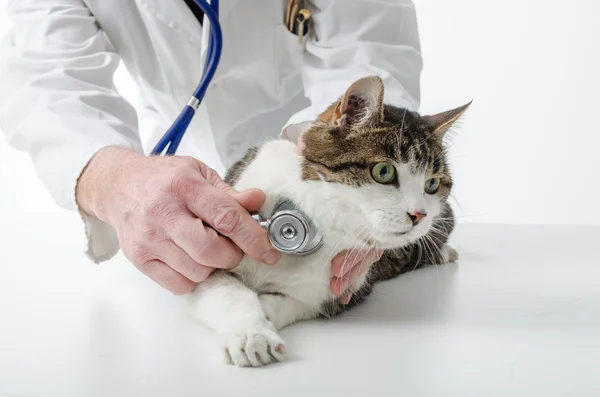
<point x="256" y="346"/>
<point x="450" y="254"/>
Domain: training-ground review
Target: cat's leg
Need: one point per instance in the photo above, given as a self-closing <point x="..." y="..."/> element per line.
<point x="431" y="254"/>
<point x="283" y="310"/>
<point x="234" y="311"/>
<point x="442" y="227"/>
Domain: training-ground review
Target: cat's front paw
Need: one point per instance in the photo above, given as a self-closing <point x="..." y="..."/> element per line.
<point x="257" y="346"/>
<point x="450" y="254"/>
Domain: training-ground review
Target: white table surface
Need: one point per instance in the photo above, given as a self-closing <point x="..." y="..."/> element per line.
<point x="519" y="315"/>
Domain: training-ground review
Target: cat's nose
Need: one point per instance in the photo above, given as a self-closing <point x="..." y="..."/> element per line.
<point x="416" y="217"/>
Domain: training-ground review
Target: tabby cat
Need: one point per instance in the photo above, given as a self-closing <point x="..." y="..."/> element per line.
<point x="371" y="175"/>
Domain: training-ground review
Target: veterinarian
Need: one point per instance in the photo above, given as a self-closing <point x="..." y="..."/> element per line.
<point x="87" y="143"/>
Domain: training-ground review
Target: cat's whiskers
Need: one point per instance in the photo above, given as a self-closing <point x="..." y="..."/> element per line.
<point x="426" y="248"/>
<point x="419" y="244"/>
<point x="437" y="230"/>
<point x="383" y="231"/>
<point x="352" y="248"/>
<point x="444" y="256"/>
<point x="348" y="253"/>
<point x="426" y="251"/>
<point x="431" y="249"/>
<point x="355" y="291"/>
<point x="443" y="220"/>
<point x="444" y="234"/>
<point x="364" y="230"/>
<point x="360" y="245"/>
<point x="362" y="241"/>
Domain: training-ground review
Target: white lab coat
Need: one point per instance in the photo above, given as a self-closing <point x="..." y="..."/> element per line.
<point x="58" y="101"/>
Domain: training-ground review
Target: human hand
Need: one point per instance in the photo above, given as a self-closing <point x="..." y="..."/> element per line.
<point x="347" y="266"/>
<point x="175" y="218"/>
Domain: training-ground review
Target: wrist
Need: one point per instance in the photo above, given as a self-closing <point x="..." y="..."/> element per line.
<point x="100" y="178"/>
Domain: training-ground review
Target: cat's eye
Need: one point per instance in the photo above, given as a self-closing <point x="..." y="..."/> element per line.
<point x="432" y="185"/>
<point x="383" y="173"/>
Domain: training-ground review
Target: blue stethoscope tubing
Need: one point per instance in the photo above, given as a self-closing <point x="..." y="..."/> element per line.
<point x="171" y="139"/>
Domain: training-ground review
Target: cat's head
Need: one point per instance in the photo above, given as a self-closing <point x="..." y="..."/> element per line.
<point x="387" y="165"/>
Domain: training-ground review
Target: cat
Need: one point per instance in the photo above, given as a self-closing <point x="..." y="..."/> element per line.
<point x="370" y="175"/>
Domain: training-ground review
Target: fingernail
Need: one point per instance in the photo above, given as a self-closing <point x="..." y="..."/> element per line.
<point x="272" y="257"/>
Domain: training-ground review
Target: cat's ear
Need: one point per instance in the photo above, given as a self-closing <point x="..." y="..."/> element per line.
<point x="440" y="123"/>
<point x="361" y="104"/>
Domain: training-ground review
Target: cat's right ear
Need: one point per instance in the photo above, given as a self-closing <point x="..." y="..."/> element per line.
<point x="362" y="104"/>
<point x="440" y="123"/>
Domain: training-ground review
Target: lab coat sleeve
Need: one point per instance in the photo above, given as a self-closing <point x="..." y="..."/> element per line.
<point x="354" y="39"/>
<point x="59" y="102"/>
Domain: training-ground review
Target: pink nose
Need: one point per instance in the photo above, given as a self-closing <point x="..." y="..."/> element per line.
<point x="416" y="217"/>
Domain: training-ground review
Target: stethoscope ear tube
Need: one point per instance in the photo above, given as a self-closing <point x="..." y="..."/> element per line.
<point x="174" y="134"/>
<point x="289" y="230"/>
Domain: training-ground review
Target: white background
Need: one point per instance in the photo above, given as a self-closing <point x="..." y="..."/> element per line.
<point x="526" y="150"/>
<point x="517" y="316"/>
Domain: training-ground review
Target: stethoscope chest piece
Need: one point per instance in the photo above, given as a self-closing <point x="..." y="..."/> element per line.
<point x="290" y="231"/>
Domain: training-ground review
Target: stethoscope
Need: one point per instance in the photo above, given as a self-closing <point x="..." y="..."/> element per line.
<point x="289" y="229"/>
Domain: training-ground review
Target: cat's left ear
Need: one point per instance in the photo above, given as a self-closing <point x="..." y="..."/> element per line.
<point x="361" y="104"/>
<point x="440" y="123"/>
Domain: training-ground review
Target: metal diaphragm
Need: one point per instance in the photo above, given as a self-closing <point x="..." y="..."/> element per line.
<point x="290" y="231"/>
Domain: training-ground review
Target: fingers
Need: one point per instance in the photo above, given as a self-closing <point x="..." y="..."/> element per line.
<point x="203" y="246"/>
<point x="339" y="285"/>
<point x="224" y="214"/>
<point x="345" y="261"/>
<point x="344" y="278"/>
<point x="213" y="178"/>
<point x="181" y="262"/>
<point x="251" y="199"/>
<point x="166" y="277"/>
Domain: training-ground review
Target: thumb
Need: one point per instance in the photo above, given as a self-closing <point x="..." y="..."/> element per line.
<point x="250" y="199"/>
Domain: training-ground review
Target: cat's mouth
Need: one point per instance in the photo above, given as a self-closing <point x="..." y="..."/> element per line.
<point x="398" y="233"/>
<point x="392" y="239"/>
<point x="396" y="238"/>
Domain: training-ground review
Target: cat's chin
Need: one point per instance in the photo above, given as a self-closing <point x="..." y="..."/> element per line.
<point x="393" y="241"/>
<point x="398" y="239"/>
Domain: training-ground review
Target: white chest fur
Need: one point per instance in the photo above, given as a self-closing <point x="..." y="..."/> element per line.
<point x="277" y="171"/>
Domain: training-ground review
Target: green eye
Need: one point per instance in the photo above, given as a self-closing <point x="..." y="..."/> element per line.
<point x="432" y="185"/>
<point x="383" y="173"/>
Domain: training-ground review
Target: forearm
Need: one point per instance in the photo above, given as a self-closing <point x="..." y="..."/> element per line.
<point x="58" y="101"/>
